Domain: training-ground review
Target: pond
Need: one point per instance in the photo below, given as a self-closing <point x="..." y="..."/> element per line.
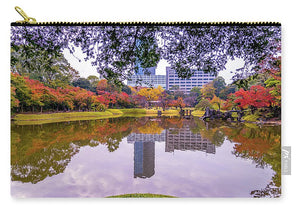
<point x="167" y="155"/>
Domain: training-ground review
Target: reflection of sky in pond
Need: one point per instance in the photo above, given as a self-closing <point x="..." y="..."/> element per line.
<point x="96" y="172"/>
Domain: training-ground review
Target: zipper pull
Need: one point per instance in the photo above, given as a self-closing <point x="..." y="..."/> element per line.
<point x="27" y="20"/>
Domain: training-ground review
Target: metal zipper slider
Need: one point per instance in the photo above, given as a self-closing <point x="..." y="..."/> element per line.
<point x="28" y="20"/>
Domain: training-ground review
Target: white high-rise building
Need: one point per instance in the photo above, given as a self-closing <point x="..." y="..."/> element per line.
<point x="147" y="78"/>
<point x="198" y="79"/>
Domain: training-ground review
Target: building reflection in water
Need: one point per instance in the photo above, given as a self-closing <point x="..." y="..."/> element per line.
<point x="174" y="138"/>
<point x="184" y="139"/>
<point x="144" y="153"/>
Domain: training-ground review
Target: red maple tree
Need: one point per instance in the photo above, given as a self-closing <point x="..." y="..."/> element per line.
<point x="256" y="97"/>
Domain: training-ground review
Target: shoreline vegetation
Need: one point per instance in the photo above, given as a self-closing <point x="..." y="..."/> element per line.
<point x="43" y="118"/>
<point x="141" y="195"/>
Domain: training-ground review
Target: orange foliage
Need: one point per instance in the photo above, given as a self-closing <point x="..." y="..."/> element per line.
<point x="254" y="142"/>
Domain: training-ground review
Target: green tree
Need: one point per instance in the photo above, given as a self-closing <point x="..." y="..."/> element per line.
<point x="93" y="82"/>
<point x="126" y="89"/>
<point x="115" y="49"/>
<point x="203" y="104"/>
<point x="208" y="91"/>
<point x="229" y="89"/>
<point x="196" y="91"/>
<point x="82" y="83"/>
<point x="219" y="84"/>
<point x="52" y="69"/>
<point x="217" y="103"/>
<point x="21" y="91"/>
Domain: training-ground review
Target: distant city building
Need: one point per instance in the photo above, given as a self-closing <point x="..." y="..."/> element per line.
<point x="145" y="71"/>
<point x="184" y="139"/>
<point x="198" y="79"/>
<point x="146" y="77"/>
<point x="148" y="80"/>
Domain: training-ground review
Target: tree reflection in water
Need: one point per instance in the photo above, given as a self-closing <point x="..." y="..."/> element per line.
<point x="262" y="145"/>
<point x="41" y="151"/>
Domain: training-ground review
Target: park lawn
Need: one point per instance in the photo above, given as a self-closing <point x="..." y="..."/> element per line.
<point x="30" y="119"/>
<point x="133" y="112"/>
<point x="141" y="195"/>
<point x="198" y="113"/>
<point x="169" y="112"/>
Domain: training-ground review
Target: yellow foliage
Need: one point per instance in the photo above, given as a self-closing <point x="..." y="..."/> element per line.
<point x="208" y="91"/>
<point x="133" y="89"/>
<point x="217" y="102"/>
<point x="151" y="94"/>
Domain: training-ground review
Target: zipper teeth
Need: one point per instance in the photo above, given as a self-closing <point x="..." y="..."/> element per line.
<point x="149" y="23"/>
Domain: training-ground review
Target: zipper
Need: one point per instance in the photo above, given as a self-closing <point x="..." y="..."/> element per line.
<point x="27" y="19"/>
<point x="32" y="22"/>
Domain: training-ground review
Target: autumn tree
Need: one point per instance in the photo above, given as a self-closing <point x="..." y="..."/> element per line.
<point x="177" y="103"/>
<point x="21" y="92"/>
<point x="40" y="94"/>
<point x="177" y="92"/>
<point x="151" y="94"/>
<point x="218" y="102"/>
<point x="256" y="97"/>
<point x="190" y="100"/>
<point x="208" y="91"/>
<point x="28" y="94"/>
<point x="164" y="100"/>
<point x="123" y="100"/>
<point x="14" y="102"/>
<point x="203" y="104"/>
<point x="105" y="85"/>
<point x="99" y="103"/>
<point x="230" y="102"/>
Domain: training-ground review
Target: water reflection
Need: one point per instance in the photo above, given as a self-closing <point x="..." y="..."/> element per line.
<point x="262" y="146"/>
<point x="39" y="152"/>
<point x="184" y="139"/>
<point x="144" y="159"/>
<point x="144" y="152"/>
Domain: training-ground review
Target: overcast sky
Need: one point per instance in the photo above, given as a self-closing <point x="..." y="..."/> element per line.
<point x="85" y="68"/>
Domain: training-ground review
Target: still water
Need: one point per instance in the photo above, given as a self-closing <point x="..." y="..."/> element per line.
<point x="171" y="156"/>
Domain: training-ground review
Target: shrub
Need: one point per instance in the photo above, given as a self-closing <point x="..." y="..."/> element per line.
<point x="203" y="104"/>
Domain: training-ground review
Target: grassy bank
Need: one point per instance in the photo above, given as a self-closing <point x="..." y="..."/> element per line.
<point x="198" y="113"/>
<point x="141" y="195"/>
<point x="28" y="119"/>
